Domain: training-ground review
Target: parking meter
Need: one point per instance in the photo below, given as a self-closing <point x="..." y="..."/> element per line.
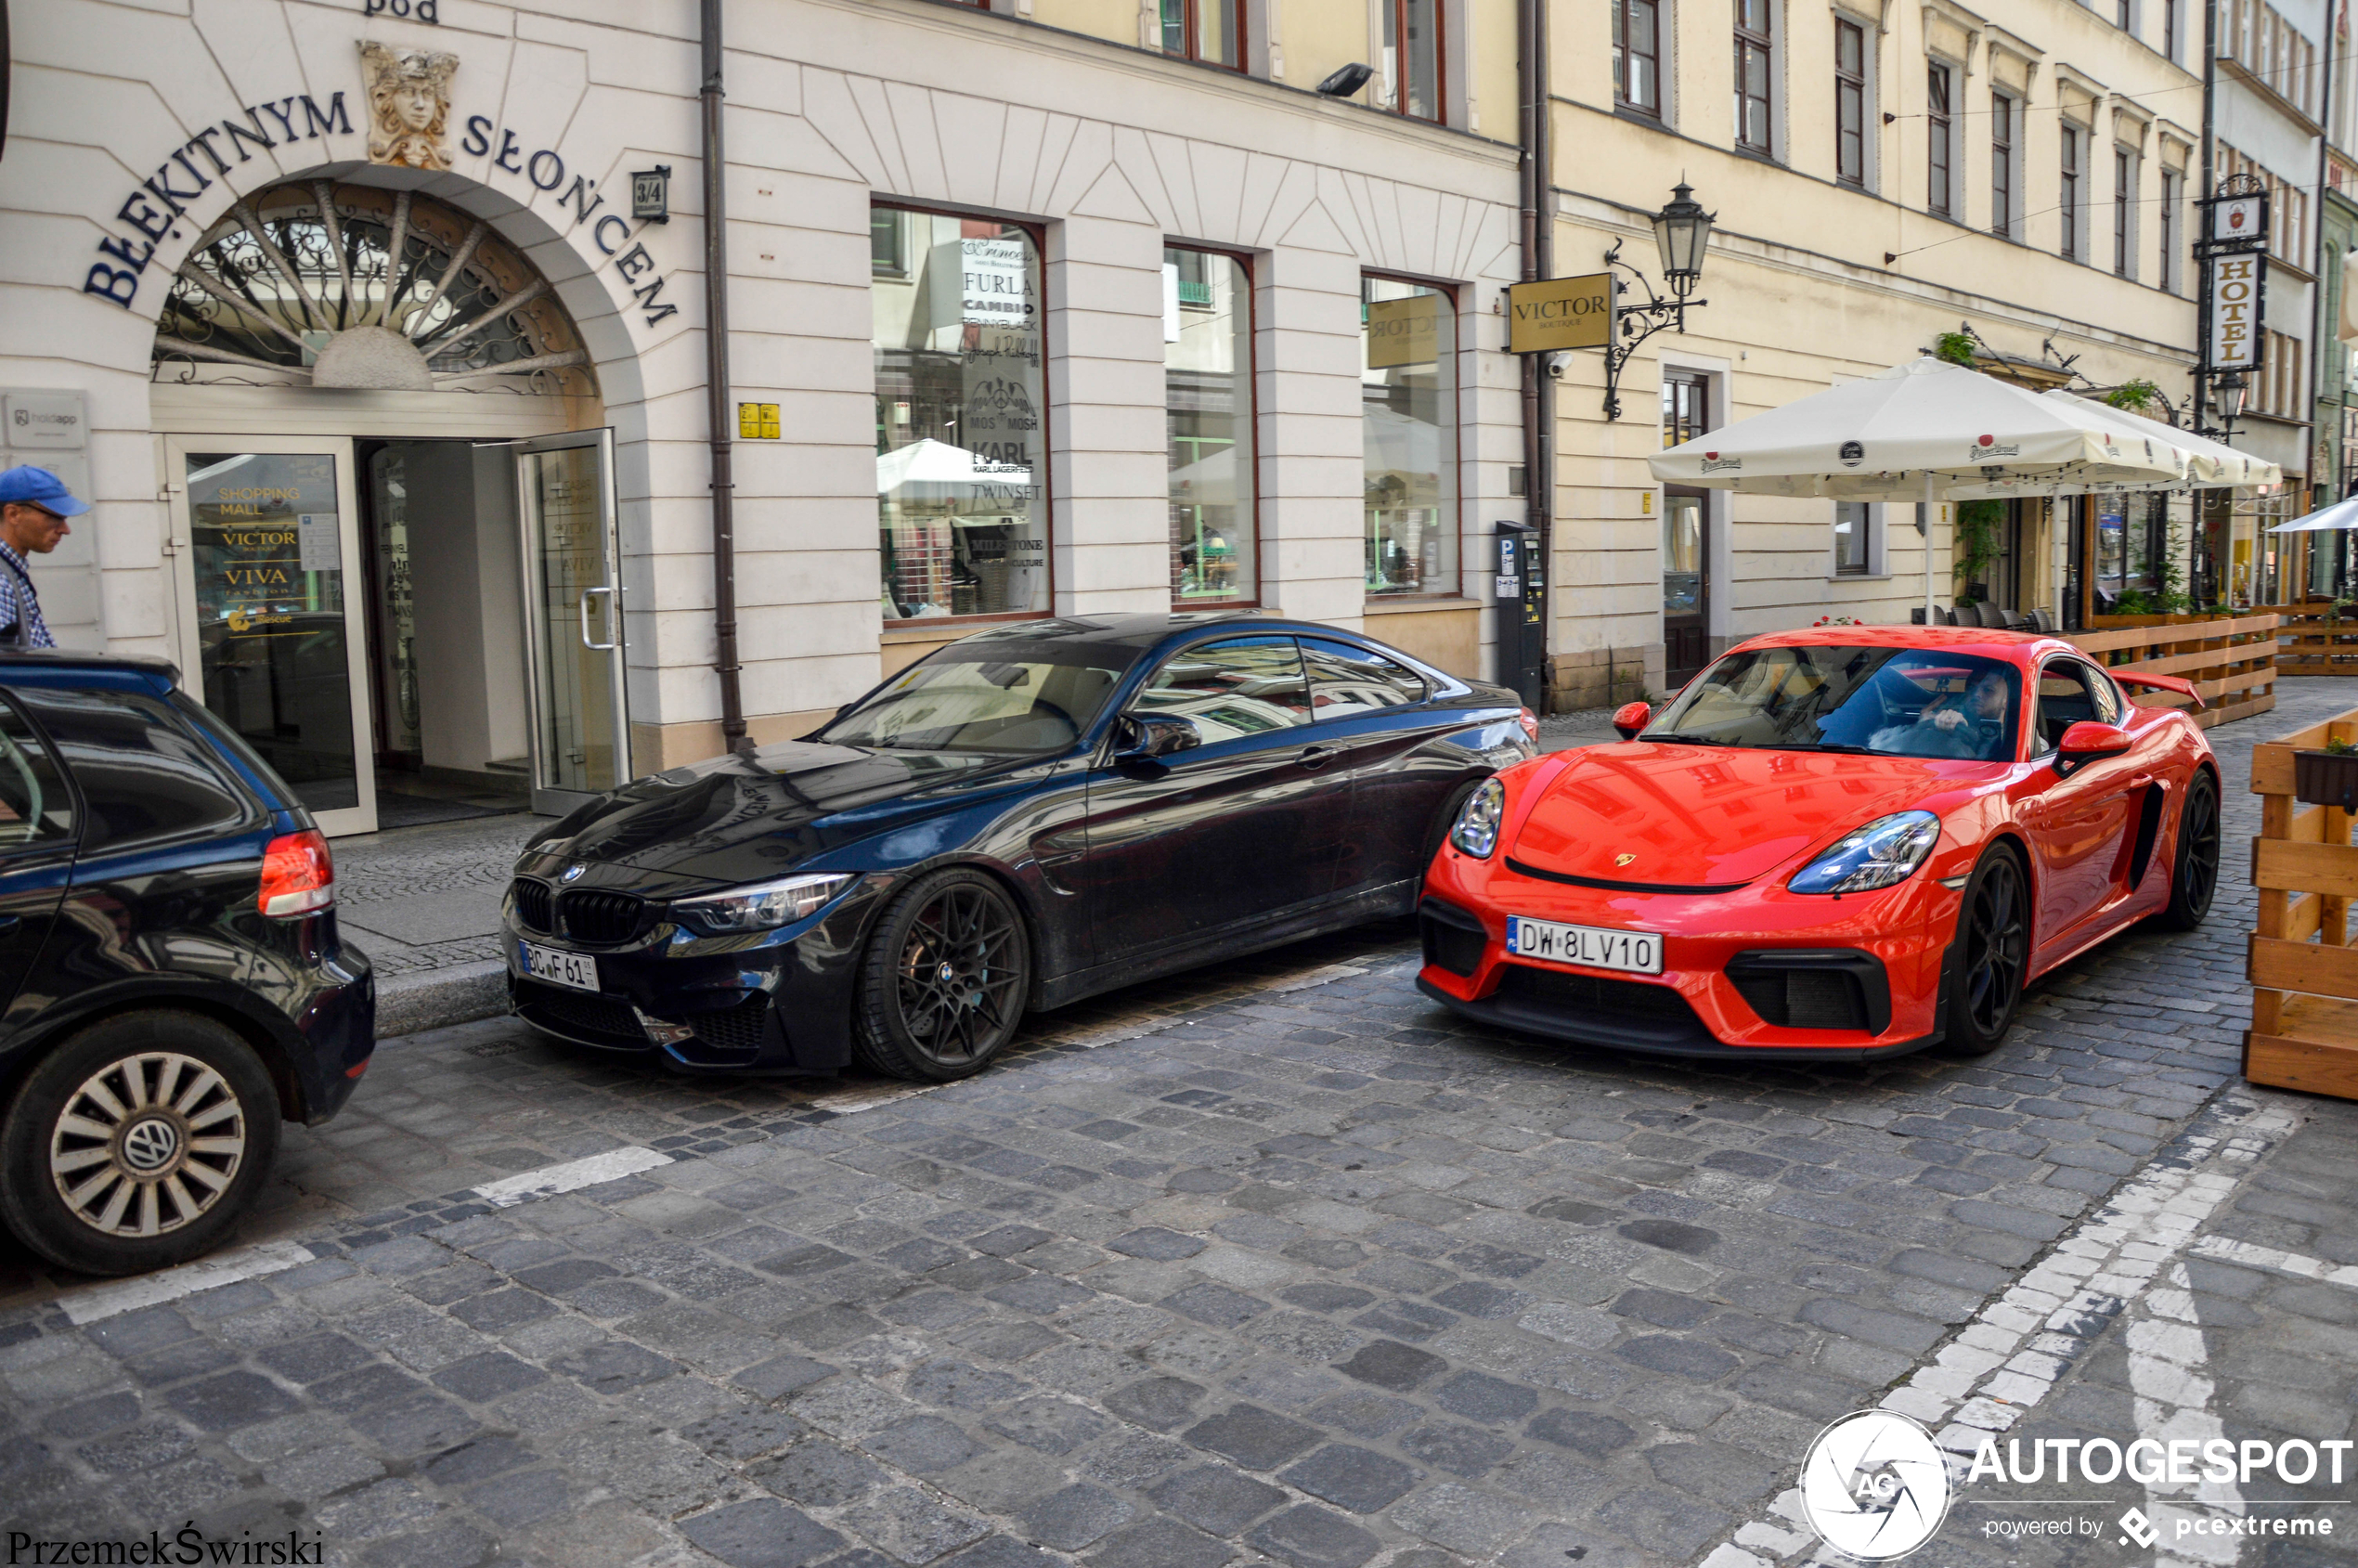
<point x="1522" y="613"/>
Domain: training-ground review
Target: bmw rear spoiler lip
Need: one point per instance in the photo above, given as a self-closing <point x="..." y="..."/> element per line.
<point x="2161" y="684"/>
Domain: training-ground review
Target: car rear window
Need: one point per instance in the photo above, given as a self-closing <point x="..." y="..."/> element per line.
<point x="142" y="775"/>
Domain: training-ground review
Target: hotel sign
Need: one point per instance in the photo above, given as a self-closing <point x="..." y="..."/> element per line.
<point x="2234" y="297"/>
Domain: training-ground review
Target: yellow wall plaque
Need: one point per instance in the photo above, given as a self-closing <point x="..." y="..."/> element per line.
<point x="1560" y="313"/>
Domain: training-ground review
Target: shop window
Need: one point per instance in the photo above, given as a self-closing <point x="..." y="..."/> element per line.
<point x="1207" y="413"/>
<point x="1850" y="103"/>
<point x="962" y="483"/>
<point x="1408" y="401"/>
<point x="1636" y="56"/>
<point x="1412" y="63"/>
<point x="1211" y="31"/>
<point x="1755" y="74"/>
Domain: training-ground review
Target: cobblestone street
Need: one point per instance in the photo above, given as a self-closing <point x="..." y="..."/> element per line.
<point x="1281" y="1264"/>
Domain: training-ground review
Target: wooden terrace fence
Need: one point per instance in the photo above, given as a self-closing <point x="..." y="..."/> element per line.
<point x="2303" y="969"/>
<point x="2316" y="641"/>
<point x="2232" y="662"/>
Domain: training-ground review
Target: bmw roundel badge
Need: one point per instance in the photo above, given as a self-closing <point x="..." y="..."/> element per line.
<point x="573" y="873"/>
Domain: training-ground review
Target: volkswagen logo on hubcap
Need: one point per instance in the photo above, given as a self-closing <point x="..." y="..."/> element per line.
<point x="150" y="1146"/>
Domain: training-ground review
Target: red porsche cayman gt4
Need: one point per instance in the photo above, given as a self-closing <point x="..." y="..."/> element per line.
<point x="1833" y="843"/>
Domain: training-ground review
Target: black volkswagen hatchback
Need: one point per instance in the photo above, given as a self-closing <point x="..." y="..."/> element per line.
<point x="1027" y="817"/>
<point x="171" y="981"/>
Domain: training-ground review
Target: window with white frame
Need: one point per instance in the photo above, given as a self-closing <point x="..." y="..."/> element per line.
<point x="2070" y="196"/>
<point x="1756" y="76"/>
<point x="1853" y="539"/>
<point x="1939" y="141"/>
<point x="2124" y="212"/>
<point x="1850" y="102"/>
<point x="2005" y="125"/>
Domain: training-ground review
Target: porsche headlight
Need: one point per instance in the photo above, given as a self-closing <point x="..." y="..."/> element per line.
<point x="763" y="906"/>
<point x="1477" y="829"/>
<point x="1886" y="851"/>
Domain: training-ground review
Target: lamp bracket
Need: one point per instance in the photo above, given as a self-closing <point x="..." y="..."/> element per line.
<point x="1633" y="324"/>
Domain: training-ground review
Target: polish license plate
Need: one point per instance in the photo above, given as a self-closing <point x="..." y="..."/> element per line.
<point x="1638" y="952"/>
<point x="577" y="971"/>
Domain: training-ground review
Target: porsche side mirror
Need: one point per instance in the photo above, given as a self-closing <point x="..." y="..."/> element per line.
<point x="1148" y="736"/>
<point x="2087" y="741"/>
<point x="1630" y="718"/>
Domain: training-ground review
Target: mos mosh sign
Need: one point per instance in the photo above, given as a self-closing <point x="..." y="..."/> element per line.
<point x="406" y="108"/>
<point x="2238" y="285"/>
<point x="1557" y="313"/>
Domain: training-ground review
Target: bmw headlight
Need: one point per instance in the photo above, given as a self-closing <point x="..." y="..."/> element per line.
<point x="764" y="906"/>
<point x="1477" y="829"/>
<point x="1885" y="851"/>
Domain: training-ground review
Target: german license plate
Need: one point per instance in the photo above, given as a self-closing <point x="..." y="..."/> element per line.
<point x="577" y="971"/>
<point x="1638" y="952"/>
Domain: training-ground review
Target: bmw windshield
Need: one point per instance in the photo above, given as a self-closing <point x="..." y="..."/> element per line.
<point x="1888" y="702"/>
<point x="988" y="696"/>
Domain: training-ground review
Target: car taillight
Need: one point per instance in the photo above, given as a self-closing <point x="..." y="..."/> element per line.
<point x="1530" y="722"/>
<point x="298" y="874"/>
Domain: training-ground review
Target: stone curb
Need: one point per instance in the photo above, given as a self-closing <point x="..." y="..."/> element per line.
<point x="434" y="998"/>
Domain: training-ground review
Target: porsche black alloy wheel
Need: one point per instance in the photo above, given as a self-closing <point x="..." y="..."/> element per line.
<point x="1991" y="955"/>
<point x="947" y="975"/>
<point x="138" y="1143"/>
<point x="2194" y="876"/>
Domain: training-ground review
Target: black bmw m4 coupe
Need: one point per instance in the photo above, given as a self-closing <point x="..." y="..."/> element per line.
<point x="1024" y="818"/>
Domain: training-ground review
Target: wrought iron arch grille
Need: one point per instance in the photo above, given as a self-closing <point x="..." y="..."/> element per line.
<point x="317" y="283"/>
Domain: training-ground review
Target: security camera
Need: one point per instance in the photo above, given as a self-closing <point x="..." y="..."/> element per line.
<point x="1556" y="362"/>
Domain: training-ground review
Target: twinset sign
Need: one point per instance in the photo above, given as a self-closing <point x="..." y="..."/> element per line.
<point x="406" y="109"/>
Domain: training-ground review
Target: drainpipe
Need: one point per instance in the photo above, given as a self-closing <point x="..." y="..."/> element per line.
<point x="715" y="288"/>
<point x="2317" y="259"/>
<point x="1538" y="387"/>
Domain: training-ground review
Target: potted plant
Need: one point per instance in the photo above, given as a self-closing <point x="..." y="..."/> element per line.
<point x="2328" y="777"/>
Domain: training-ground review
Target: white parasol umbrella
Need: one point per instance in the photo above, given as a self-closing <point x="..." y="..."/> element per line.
<point x="2341" y="515"/>
<point x="1924" y="432"/>
<point x="938" y="462"/>
<point x="2210" y="465"/>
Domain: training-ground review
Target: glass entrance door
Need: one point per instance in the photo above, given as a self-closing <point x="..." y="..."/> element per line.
<point x="271" y="630"/>
<point x="1686" y="586"/>
<point x="573" y="608"/>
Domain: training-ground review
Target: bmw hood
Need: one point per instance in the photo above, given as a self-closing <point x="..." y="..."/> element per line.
<point x="1645" y="813"/>
<point x="742" y="819"/>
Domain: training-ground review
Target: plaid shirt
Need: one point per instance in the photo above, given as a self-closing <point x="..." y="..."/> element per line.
<point x="14" y="580"/>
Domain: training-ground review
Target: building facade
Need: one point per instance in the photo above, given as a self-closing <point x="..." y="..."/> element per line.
<point x="2018" y="176"/>
<point x="376" y="333"/>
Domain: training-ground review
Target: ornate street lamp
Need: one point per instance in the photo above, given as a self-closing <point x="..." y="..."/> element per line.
<point x="1683" y="232"/>
<point x="2228" y="393"/>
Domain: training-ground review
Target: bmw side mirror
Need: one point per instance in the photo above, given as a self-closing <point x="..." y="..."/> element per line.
<point x="2087" y="741"/>
<point x="1631" y="717"/>
<point x="1148" y="736"/>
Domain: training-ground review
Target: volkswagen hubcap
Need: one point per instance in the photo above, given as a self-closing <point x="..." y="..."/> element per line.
<point x="148" y="1144"/>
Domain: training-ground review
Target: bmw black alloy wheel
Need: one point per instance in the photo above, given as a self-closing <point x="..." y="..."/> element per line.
<point x="948" y="977"/>
<point x="1996" y="941"/>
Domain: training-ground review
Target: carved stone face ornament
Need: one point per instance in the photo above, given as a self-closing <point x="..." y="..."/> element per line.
<point x="409" y="105"/>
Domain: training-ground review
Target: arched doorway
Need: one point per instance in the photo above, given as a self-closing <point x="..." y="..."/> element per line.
<point x="394" y="510"/>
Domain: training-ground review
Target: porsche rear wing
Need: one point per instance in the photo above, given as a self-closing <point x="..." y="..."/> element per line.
<point x="2160" y="683"/>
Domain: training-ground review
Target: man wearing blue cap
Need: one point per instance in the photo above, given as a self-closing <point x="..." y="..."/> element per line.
<point x="34" y="504"/>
